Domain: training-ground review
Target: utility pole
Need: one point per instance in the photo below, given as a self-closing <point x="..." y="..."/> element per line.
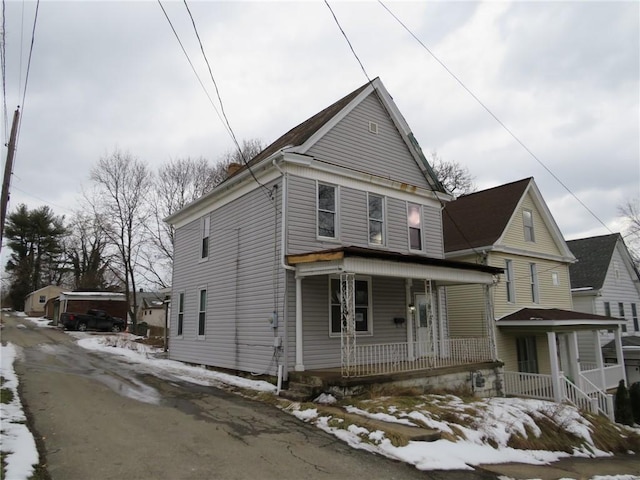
<point x="8" y="168"/>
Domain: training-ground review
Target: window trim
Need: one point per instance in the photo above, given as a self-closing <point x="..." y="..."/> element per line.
<point x="634" y="317"/>
<point x="42" y="299"/>
<point x="205" y="235"/>
<point x="621" y="310"/>
<point x="528" y="228"/>
<point x="607" y="309"/>
<point x="555" y="279"/>
<point x="383" y="222"/>
<point x="180" y="317"/>
<point x="369" y="331"/>
<point x="420" y="228"/>
<point x="508" y="275"/>
<point x="535" y="288"/>
<point x="202" y="314"/>
<point x="527" y="346"/>
<point x="336" y="212"/>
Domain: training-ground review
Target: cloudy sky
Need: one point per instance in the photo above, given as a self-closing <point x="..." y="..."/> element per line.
<point x="564" y="77"/>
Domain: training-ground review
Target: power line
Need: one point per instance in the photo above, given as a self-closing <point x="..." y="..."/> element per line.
<point x="3" y="60"/>
<point x="513" y="135"/>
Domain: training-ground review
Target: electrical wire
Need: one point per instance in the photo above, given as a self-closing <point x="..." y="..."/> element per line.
<point x="3" y="61"/>
<point x="507" y="129"/>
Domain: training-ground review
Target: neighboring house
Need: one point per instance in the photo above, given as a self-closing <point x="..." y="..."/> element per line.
<point x="153" y="310"/>
<point x="34" y="303"/>
<point x="326" y="257"/>
<point x="605" y="281"/>
<point x="115" y="304"/>
<point x="510" y="226"/>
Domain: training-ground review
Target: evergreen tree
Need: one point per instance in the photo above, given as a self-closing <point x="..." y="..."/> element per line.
<point x="622" y="408"/>
<point x="634" y="396"/>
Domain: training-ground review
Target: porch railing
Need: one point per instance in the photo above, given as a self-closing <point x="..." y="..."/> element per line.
<point x="529" y="385"/>
<point x="385" y="358"/>
<point x="603" y="400"/>
<point x="612" y="375"/>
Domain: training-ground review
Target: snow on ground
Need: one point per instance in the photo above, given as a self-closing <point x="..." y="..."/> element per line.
<point x="18" y="444"/>
<point x="38" y="321"/>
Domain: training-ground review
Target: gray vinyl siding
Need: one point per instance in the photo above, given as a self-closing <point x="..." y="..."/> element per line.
<point x="323" y="351"/>
<point x="243" y="278"/>
<point x="385" y="154"/>
<point x="353" y="226"/>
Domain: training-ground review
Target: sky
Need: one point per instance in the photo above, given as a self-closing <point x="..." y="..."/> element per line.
<point x="564" y="77"/>
<point x="484" y="443"/>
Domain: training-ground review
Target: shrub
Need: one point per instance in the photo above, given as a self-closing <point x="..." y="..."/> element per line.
<point x="622" y="409"/>
<point x="634" y="395"/>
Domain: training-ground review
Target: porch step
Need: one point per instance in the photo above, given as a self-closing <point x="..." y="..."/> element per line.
<point x="301" y="392"/>
<point x="396" y="430"/>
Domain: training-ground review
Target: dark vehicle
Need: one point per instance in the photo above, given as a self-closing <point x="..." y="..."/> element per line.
<point x="92" y="320"/>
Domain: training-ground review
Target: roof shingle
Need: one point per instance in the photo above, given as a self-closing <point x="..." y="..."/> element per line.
<point x="594" y="256"/>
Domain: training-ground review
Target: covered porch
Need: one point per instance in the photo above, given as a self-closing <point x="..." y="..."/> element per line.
<point x="407" y="331"/>
<point x="565" y="377"/>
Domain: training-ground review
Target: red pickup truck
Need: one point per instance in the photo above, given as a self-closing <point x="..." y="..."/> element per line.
<point x="92" y="320"/>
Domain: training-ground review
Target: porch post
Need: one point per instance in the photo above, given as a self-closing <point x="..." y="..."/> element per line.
<point x="407" y="293"/>
<point x="619" y="354"/>
<point x="599" y="361"/>
<point x="299" y="367"/>
<point x="490" y="323"/>
<point x="555" y="369"/>
<point x="348" y="323"/>
<point x="574" y="361"/>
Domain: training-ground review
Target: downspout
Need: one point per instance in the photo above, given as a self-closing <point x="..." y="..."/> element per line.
<point x="283" y="229"/>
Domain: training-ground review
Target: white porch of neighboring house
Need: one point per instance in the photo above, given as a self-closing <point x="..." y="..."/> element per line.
<point x="584" y="385"/>
<point x="426" y="344"/>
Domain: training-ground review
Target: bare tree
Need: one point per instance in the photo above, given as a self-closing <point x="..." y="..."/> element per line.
<point x="121" y="183"/>
<point x="630" y="212"/>
<point x="455" y="178"/>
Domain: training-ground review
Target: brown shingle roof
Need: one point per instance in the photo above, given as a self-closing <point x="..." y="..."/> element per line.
<point x="552" y="314"/>
<point x="479" y="219"/>
<point x="594" y="256"/>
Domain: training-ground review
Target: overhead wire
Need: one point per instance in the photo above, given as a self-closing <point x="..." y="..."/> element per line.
<point x="3" y="60"/>
<point x="495" y="117"/>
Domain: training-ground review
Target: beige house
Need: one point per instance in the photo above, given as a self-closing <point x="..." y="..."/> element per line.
<point x="535" y="327"/>
<point x="34" y="303"/>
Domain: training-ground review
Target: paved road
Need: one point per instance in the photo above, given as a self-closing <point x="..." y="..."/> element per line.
<point x="100" y="418"/>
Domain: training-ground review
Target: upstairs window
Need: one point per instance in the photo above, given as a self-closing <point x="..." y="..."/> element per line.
<point x="607" y="309"/>
<point x="634" y="315"/>
<point x="204" y="249"/>
<point x="508" y="273"/>
<point x="180" y="313"/>
<point x="533" y="271"/>
<point x="376" y="219"/>
<point x="42" y="299"/>
<point x="202" y="312"/>
<point x="414" y="220"/>
<point x="327" y="210"/>
<point x="621" y="309"/>
<point x="527" y="220"/>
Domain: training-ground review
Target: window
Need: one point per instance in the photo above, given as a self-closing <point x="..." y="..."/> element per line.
<point x="534" y="282"/>
<point x="607" y="309"/>
<point x="621" y="309"/>
<point x="508" y="272"/>
<point x="202" y="312"/>
<point x="363" y="305"/>
<point x="327" y="211"/>
<point x="376" y="219"/>
<point x="527" y="354"/>
<point x="634" y="315"/>
<point x="414" y="220"/>
<point x="206" y="224"/>
<point x="180" y="313"/>
<point x="555" y="279"/>
<point x="527" y="220"/>
<point x="42" y="299"/>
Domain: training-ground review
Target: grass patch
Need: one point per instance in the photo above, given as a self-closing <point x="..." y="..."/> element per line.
<point x="6" y="395"/>
<point x="611" y="437"/>
<point x="551" y="438"/>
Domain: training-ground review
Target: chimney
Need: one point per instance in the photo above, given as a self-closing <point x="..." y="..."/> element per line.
<point x="232" y="168"/>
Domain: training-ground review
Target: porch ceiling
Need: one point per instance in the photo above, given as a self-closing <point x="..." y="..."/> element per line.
<point x="365" y="261"/>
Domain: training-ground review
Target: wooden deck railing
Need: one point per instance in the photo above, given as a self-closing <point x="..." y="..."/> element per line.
<point x="529" y="385"/>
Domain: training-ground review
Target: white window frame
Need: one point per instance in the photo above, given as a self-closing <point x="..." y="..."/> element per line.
<point x="382" y="221"/>
<point x="508" y="277"/>
<point x="369" y="331"/>
<point x="42" y="299"/>
<point x="202" y="313"/>
<point x="420" y="227"/>
<point x="335" y="212"/>
<point x="529" y="232"/>
<point x="535" y="290"/>
<point x="205" y="235"/>
<point x="180" y="317"/>
<point x="555" y="279"/>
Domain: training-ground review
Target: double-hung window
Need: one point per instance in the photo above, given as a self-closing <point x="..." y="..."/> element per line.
<point x="42" y="299"/>
<point x="180" y="313"/>
<point x="376" y="219"/>
<point x="204" y="248"/>
<point x="634" y="315"/>
<point x="533" y="271"/>
<point x="527" y="220"/>
<point x="508" y="272"/>
<point x="202" y="311"/>
<point x="414" y="220"/>
<point x="527" y="354"/>
<point x="607" y="309"/>
<point x="327" y="210"/>
<point x="362" y="301"/>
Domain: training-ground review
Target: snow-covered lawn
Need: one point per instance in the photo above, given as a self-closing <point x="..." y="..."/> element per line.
<point x="479" y="436"/>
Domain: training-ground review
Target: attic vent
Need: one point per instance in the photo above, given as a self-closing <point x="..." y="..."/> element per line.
<point x="373" y="127"/>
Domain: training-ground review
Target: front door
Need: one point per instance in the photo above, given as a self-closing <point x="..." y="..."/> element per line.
<point x="423" y="326"/>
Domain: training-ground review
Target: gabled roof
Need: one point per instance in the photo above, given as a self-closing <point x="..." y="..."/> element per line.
<point x="479" y="219"/>
<point x="594" y="256"/>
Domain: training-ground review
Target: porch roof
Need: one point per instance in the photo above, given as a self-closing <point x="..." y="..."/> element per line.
<point x="556" y="319"/>
<point x="369" y="261"/>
